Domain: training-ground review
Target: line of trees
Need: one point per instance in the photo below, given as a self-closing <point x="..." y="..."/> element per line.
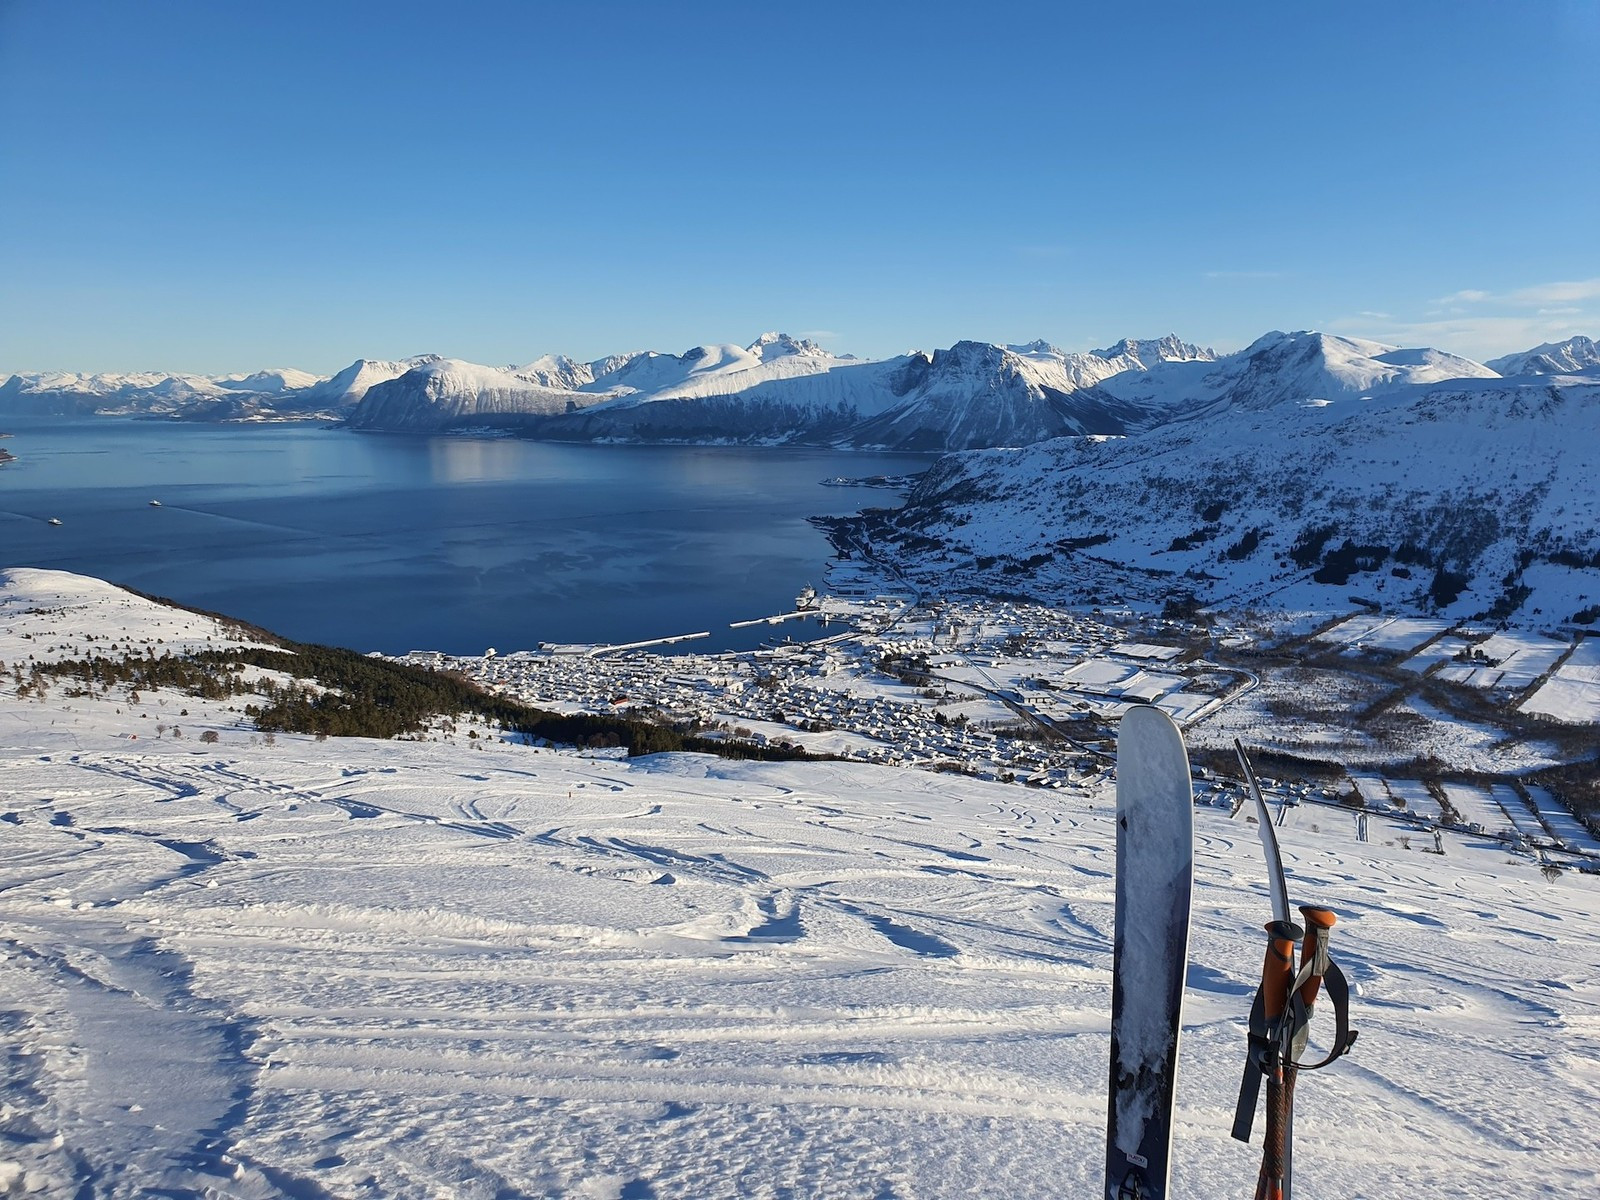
<point x="339" y="693"/>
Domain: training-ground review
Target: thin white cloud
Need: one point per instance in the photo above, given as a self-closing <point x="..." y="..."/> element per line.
<point x="1482" y="324"/>
<point x="1475" y="336"/>
<point x="1541" y="295"/>
<point x="1572" y="292"/>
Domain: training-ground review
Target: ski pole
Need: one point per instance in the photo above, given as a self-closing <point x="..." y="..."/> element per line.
<point x="1295" y="1031"/>
<point x="1277" y="980"/>
<point x="1297" y="1022"/>
<point x="1314" y="952"/>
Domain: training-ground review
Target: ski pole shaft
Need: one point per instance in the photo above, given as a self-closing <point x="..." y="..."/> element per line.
<point x="1272" y="1183"/>
<point x="1277" y="977"/>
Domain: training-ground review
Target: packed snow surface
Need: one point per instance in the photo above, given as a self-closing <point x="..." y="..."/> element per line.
<point x="414" y="969"/>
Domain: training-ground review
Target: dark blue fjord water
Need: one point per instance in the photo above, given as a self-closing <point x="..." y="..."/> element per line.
<point x="394" y="543"/>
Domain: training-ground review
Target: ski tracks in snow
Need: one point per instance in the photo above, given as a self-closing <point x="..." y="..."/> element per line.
<point x="404" y="970"/>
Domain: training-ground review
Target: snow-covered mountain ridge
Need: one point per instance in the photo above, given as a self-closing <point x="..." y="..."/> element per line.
<point x="781" y="389"/>
<point x="283" y="391"/>
<point x="1467" y="496"/>
<point x="1577" y="354"/>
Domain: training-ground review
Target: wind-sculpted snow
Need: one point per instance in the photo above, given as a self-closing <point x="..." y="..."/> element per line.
<point x="416" y="969"/>
<point x="1474" y="496"/>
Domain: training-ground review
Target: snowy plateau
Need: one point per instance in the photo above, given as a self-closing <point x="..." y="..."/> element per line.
<point x="239" y="964"/>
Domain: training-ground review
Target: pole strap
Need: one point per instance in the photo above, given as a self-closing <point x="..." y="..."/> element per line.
<point x="1269" y="1045"/>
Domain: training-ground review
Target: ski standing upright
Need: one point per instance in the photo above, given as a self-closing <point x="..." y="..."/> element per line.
<point x="1155" y="879"/>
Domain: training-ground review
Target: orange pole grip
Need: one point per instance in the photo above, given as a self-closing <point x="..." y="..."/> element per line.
<point x="1318" y="922"/>
<point x="1277" y="972"/>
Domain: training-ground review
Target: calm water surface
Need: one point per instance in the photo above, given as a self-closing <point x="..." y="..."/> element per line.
<point x="394" y="543"/>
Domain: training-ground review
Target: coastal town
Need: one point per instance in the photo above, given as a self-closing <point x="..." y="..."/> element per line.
<point x="1030" y="695"/>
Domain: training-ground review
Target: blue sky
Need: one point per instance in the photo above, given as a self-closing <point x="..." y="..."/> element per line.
<point x="206" y="186"/>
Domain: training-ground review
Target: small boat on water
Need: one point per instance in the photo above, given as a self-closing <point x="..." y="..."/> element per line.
<point x="155" y="504"/>
<point x="54" y="521"/>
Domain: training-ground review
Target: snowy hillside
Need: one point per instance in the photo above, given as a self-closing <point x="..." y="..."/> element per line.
<point x="719" y="370"/>
<point x="1471" y="496"/>
<point x="448" y="391"/>
<point x="296" y="968"/>
<point x="344" y="391"/>
<point x="282" y="379"/>
<point x="1284" y="367"/>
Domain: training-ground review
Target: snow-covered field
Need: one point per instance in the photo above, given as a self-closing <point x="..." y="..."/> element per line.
<point x="1573" y="692"/>
<point x="350" y="968"/>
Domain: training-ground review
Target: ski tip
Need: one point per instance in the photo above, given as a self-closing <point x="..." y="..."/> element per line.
<point x="1141" y="717"/>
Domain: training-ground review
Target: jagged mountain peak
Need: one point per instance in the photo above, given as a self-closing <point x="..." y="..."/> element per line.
<point x="1147" y="352"/>
<point x="772" y="344"/>
<point x="1575" y="355"/>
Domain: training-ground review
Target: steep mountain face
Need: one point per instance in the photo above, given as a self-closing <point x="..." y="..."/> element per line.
<point x="558" y="373"/>
<point x="1573" y="356"/>
<point x="976" y="395"/>
<point x="448" y="393"/>
<point x="346" y="389"/>
<point x="808" y="407"/>
<point x="1470" y="496"/>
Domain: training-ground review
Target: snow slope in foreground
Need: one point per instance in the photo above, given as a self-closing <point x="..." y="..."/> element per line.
<point x="413" y="969"/>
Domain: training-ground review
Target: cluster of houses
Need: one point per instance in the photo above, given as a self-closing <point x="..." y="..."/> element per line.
<point x="990" y="688"/>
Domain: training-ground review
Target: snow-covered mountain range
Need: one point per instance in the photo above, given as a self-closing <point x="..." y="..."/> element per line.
<point x="1304" y="471"/>
<point x="281" y="391"/>
<point x="1578" y="354"/>
<point x="781" y="389"/>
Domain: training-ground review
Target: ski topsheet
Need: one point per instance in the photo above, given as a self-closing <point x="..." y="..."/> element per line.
<point x="1155" y="873"/>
